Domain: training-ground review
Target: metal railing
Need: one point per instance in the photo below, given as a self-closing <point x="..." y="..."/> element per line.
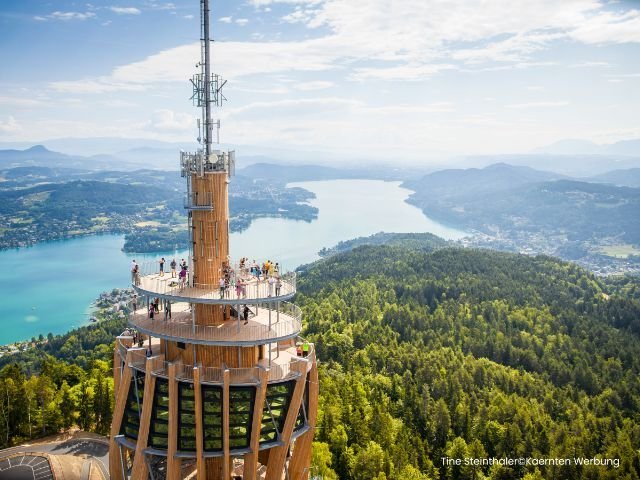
<point x="267" y="324"/>
<point x="242" y="285"/>
<point x="198" y="201"/>
<point x="218" y="161"/>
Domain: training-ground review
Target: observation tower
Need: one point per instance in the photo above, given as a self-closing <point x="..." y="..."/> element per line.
<point x="212" y="384"/>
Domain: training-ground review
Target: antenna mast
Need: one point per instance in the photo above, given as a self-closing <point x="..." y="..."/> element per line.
<point x="207" y="77"/>
<point x="207" y="87"/>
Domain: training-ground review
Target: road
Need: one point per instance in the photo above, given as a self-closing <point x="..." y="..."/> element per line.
<point x="94" y="447"/>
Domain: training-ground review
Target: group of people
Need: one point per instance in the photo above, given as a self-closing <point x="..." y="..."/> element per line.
<point x="268" y="272"/>
<point x="267" y="269"/>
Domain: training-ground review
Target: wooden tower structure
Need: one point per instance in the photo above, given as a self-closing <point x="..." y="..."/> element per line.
<point x="214" y="382"/>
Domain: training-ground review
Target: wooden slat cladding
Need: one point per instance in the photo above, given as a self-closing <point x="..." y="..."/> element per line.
<point x="210" y="228"/>
<point x="232" y="357"/>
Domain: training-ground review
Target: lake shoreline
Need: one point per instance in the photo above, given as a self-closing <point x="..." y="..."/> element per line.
<point x="52" y="283"/>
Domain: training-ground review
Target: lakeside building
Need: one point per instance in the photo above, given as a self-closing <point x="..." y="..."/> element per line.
<point x="215" y="382"/>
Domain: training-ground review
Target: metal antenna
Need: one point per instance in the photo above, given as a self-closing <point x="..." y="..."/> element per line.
<point x="207" y="86"/>
<point x="207" y="92"/>
<point x="207" y="79"/>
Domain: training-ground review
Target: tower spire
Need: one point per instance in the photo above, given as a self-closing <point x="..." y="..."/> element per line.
<point x="207" y="76"/>
<point x="207" y="88"/>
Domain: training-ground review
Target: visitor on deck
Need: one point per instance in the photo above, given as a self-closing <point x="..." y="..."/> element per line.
<point x="245" y="313"/>
<point x="278" y="286"/>
<point x="305" y="349"/>
<point x="271" y="281"/>
<point x="221" y="283"/>
<point x="136" y="274"/>
<point x="173" y="265"/>
<point x="183" y="276"/>
<point x="134" y="270"/>
<point x="161" y="262"/>
<point x="152" y="311"/>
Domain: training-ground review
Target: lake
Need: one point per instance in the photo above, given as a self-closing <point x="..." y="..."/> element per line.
<point x="49" y="287"/>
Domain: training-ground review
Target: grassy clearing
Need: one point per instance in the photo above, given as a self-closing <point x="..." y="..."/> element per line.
<point x="620" y="251"/>
<point x="33" y="198"/>
<point x="148" y="223"/>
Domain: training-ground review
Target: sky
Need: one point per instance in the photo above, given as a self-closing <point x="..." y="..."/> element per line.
<point x="397" y="79"/>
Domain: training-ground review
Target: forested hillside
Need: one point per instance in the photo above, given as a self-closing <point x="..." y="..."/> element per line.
<point x="463" y="353"/>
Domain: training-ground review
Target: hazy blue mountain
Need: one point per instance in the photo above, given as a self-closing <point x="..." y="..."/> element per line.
<point x="625" y="178"/>
<point x="520" y="202"/>
<point x="571" y="165"/>
<point x="39" y="155"/>
<point x="473" y="181"/>
<point x="302" y="173"/>
<point x="570" y="147"/>
<point x="582" y="147"/>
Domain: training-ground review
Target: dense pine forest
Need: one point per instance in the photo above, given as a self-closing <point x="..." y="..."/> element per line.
<point x="425" y="355"/>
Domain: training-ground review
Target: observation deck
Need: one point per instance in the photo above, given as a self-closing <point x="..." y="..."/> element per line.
<point x="254" y="290"/>
<point x="281" y="368"/>
<point x="265" y="324"/>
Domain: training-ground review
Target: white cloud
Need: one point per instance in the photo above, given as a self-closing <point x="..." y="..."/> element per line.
<point x="188" y="17"/>
<point x="313" y="85"/>
<point x="549" y="104"/>
<point x="99" y="85"/>
<point x="590" y="64"/>
<point x="163" y="6"/>
<point x="242" y="21"/>
<point x="66" y="16"/>
<point x="261" y="3"/>
<point x="20" y="102"/>
<point x="125" y="10"/>
<point x="10" y="126"/>
<point x="625" y="75"/>
<point x="411" y="41"/>
<point x="168" y="120"/>
<point x="609" y="27"/>
<point x="401" y="72"/>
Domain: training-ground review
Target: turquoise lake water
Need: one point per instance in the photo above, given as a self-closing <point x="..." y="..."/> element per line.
<point x="49" y="287"/>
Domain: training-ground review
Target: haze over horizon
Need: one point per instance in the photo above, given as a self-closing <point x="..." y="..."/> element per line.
<point x="377" y="78"/>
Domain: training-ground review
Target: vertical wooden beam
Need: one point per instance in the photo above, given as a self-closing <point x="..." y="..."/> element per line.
<point x="139" y="470"/>
<point x="301" y="458"/>
<point x="197" y="391"/>
<point x="251" y="458"/>
<point x="173" y="463"/>
<point x="225" y="425"/>
<point x="116" y="422"/>
<point x="117" y="362"/>
<point x="278" y="455"/>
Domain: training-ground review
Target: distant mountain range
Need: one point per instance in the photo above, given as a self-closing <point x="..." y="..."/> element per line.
<point x="39" y="155"/>
<point x="519" y="203"/>
<point x="629" y="177"/>
<point x="474" y="181"/>
<point x="586" y="147"/>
